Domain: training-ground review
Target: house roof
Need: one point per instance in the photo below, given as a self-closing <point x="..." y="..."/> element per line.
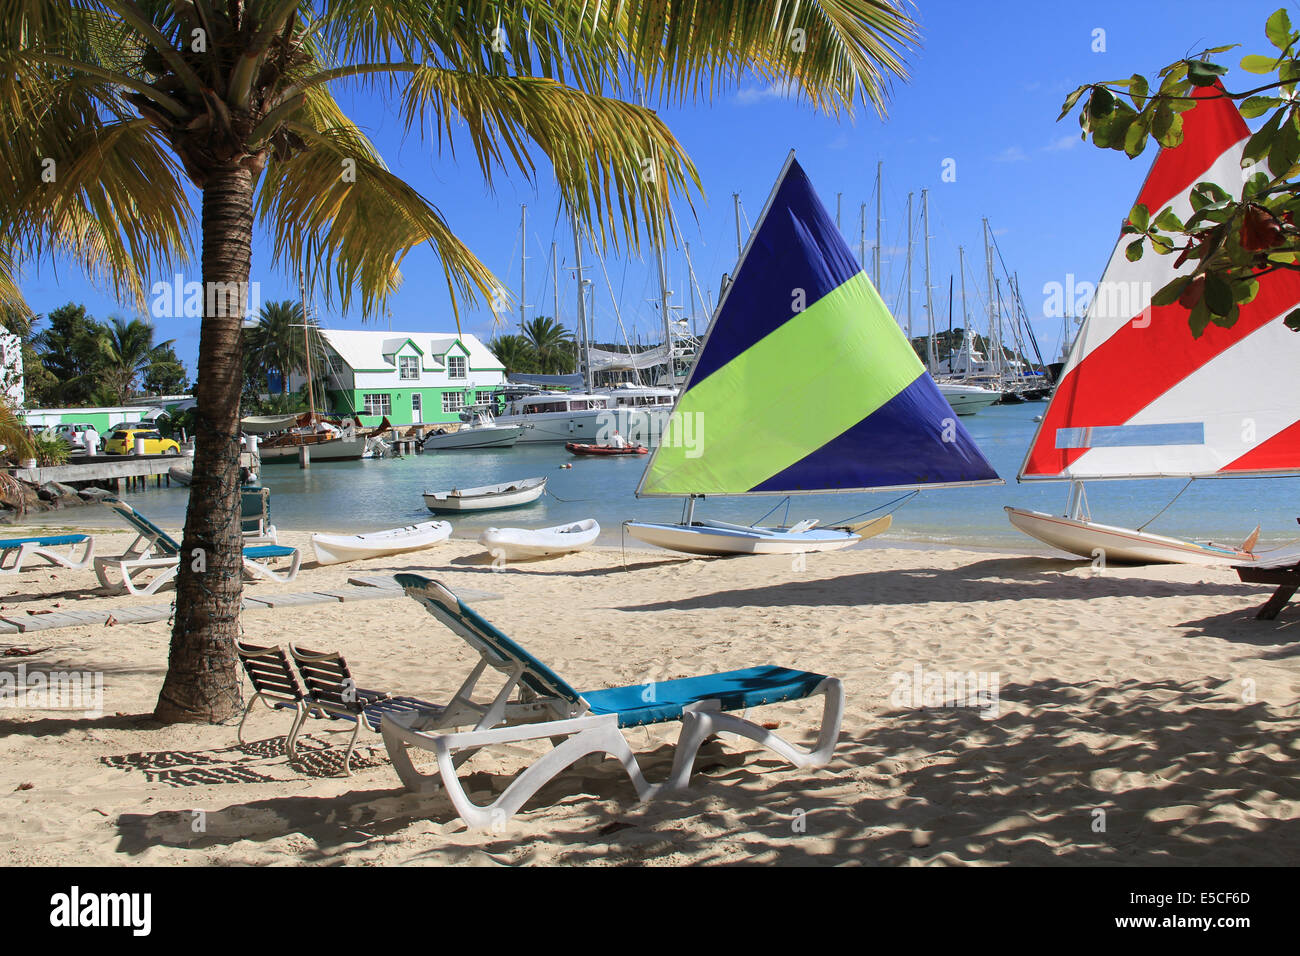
<point x="374" y="350"/>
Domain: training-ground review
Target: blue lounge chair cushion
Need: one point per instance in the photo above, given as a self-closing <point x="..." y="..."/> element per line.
<point x="660" y="701"/>
<point x="164" y="542"/>
<point x="51" y="541"/>
<point x="269" y="551"/>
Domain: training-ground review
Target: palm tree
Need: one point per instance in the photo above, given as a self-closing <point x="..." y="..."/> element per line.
<point x="552" y="344"/>
<point x="129" y="350"/>
<point x="515" y="352"/>
<point x="111" y="106"/>
<point x="279" y="342"/>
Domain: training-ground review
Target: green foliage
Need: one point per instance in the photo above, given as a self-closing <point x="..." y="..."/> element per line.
<point x="165" y="374"/>
<point x="50" y="450"/>
<point x="553" y="346"/>
<point x="1231" y="239"/>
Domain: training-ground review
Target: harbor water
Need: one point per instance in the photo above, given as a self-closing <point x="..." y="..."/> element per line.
<point x="363" y="496"/>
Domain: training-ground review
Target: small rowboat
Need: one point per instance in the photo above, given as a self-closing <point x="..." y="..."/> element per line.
<point x="510" y="494"/>
<point x="580" y="449"/>
<point x="337" y="548"/>
<point x="516" y="543"/>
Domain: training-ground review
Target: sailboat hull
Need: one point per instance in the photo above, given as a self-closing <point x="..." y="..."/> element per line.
<point x="1089" y="539"/>
<point x="714" y="540"/>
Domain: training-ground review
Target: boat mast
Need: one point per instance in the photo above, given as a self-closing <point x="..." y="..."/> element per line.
<point x="555" y="281"/>
<point x="583" y="357"/>
<point x="523" y="260"/>
<point x="690" y="287"/>
<point x="995" y="330"/>
<point x="735" y="202"/>
<point x="839" y="205"/>
<point x="965" y="316"/>
<point x="862" y="235"/>
<point x="306" y="343"/>
<point x="929" y="299"/>
<point x="908" y="285"/>
<point x="880" y="212"/>
<point x="663" y="307"/>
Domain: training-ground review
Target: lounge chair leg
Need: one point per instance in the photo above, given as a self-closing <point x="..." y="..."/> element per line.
<point x="347" y="760"/>
<point x="239" y="734"/>
<point x="700" y="724"/>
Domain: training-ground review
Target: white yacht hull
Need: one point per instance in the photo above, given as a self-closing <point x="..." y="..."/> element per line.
<point x="639" y="426"/>
<point x="336" y="449"/>
<point x="967" y="399"/>
<point x="492" y="436"/>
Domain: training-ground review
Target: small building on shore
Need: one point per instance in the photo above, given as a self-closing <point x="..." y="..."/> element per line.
<point x="410" y="378"/>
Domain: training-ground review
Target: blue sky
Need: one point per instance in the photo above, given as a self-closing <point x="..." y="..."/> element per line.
<point x="984" y="92"/>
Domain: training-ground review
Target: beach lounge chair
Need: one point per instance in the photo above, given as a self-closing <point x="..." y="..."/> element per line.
<point x="332" y="693"/>
<point x="536" y="704"/>
<point x="255" y="515"/>
<point x="274" y="684"/>
<point x="21" y="550"/>
<point x="1287" y="579"/>
<point x="154" y="550"/>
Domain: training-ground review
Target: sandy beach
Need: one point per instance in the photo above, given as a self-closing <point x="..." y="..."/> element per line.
<point x="1140" y="716"/>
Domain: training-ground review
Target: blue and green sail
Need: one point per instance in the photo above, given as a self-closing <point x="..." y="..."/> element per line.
<point x="805" y="383"/>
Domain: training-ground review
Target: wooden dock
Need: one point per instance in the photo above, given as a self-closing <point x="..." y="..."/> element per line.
<point x="135" y="470"/>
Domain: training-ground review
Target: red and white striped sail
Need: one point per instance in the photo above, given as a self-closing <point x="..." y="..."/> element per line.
<point x="1139" y="396"/>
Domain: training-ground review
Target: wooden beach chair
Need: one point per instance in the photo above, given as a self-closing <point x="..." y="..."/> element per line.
<point x="274" y="684"/>
<point x="1287" y="580"/>
<point x="534" y="703"/>
<point x="332" y="693"/>
<point x="153" y="558"/>
<point x="15" y="552"/>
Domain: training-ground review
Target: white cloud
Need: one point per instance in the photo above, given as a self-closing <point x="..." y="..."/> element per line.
<point x="1069" y="141"/>
<point x="1012" y="154"/>
<point x="752" y="95"/>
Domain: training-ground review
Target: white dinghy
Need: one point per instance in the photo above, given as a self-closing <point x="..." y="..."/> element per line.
<point x="517" y="543"/>
<point x="337" y="548"/>
<point x="508" y="494"/>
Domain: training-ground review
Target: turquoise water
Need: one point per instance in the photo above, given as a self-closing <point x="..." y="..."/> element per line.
<point x="372" y="495"/>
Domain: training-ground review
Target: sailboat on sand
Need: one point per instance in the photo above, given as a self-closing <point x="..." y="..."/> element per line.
<point x="804" y="384"/>
<point x="1140" y="397"/>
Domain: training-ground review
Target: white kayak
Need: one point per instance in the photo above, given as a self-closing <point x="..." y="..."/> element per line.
<point x="337" y="548"/>
<point x="516" y="543"/>
<point x="508" y="494"/>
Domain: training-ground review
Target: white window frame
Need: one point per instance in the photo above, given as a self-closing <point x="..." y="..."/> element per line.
<point x="454" y="399"/>
<point x="457" y="361"/>
<point x="403" y="367"/>
<point x="377" y="403"/>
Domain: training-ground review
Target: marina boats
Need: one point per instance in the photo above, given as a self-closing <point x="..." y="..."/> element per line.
<point x="522" y="543"/>
<point x="337" y="548"/>
<point x="966" y="398"/>
<point x="479" y="431"/>
<point x="603" y="451"/>
<point x="508" y="494"/>
<point x="326" y="443"/>
<point x="857" y="410"/>
<point x="1141" y="397"/>
<point x="639" y="413"/>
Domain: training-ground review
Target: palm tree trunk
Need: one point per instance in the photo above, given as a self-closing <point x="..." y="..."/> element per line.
<point x="202" y="683"/>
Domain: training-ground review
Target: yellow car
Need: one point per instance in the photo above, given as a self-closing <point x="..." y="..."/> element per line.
<point x="122" y="442"/>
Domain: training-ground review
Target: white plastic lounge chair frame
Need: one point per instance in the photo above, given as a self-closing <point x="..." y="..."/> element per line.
<point x="154" y="550"/>
<point x="24" y="549"/>
<point x="536" y="704"/>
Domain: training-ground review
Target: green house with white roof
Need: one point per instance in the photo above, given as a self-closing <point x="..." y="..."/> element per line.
<point x="410" y="378"/>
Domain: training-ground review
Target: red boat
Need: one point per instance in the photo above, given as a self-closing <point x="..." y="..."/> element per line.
<point x="579" y="449"/>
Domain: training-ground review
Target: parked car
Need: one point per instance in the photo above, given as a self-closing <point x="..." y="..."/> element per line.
<point x="122" y="442"/>
<point x="73" y="433"/>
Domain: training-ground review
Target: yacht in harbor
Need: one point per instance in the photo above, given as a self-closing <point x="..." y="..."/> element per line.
<point x="638" y="413"/>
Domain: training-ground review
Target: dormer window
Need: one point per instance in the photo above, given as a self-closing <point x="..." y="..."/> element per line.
<point x="408" y="367"/>
<point x="456" y="366"/>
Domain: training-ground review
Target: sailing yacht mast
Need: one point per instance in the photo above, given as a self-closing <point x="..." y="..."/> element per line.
<point x="995" y="325"/>
<point x="523" y="260"/>
<point x="908" y="286"/>
<point x="306" y="343"/>
<point x="663" y="307"/>
<point x="880" y="212"/>
<point x="965" y="316"/>
<point x="735" y="202"/>
<point x="583" y="345"/>
<point x="929" y="299"/>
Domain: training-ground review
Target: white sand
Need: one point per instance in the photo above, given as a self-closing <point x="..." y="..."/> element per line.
<point x="1150" y="694"/>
